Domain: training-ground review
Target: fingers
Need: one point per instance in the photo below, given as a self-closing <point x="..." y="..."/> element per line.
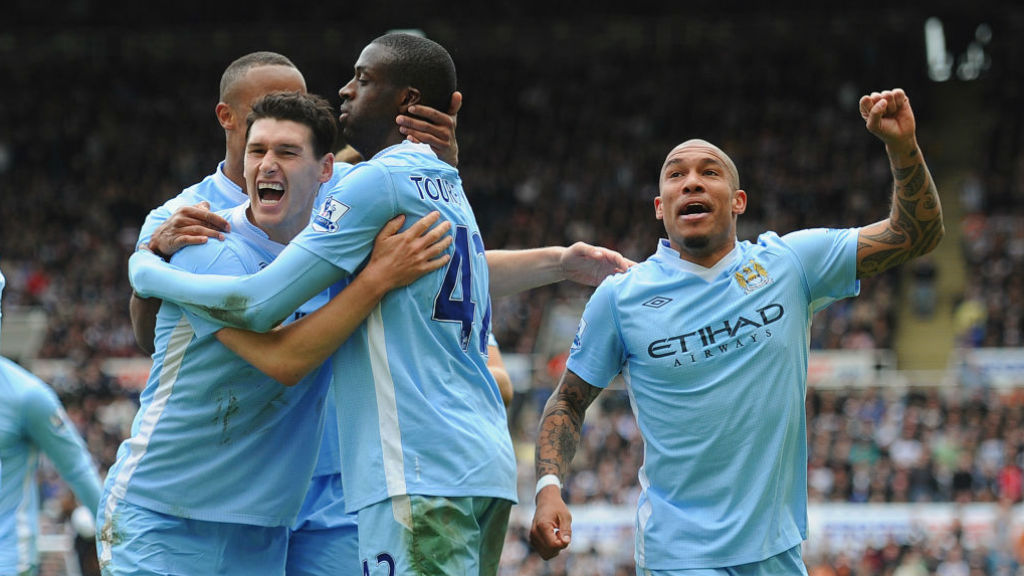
<point x="429" y="125"/>
<point x="899" y="98"/>
<point x="423" y="240"/>
<point x="432" y="243"/>
<point x="865" y="105"/>
<point x="392" y="227"/>
<point x="192" y="215"/>
<point x="456" y="105"/>
<point x="440" y="247"/>
<point x="548" y="539"/>
<point x="887" y="101"/>
<point x="422" y="115"/>
<point x="421" y="225"/>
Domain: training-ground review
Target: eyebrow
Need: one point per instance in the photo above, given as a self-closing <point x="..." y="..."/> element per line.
<point x="262" y="144"/>
<point x="701" y="162"/>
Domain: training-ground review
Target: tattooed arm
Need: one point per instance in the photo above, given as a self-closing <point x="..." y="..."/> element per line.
<point x="557" y="440"/>
<point x="914" y="226"/>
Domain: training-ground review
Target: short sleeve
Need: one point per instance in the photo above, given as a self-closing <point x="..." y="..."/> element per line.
<point x="828" y="257"/>
<point x="598" y="351"/>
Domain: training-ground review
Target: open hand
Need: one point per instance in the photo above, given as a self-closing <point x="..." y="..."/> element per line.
<point x="188" y="225"/>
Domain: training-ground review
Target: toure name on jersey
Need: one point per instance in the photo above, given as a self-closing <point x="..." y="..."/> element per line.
<point x="436" y="189"/>
<point x="716" y="339"/>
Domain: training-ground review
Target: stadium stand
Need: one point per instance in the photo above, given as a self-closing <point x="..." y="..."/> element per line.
<point x="564" y="126"/>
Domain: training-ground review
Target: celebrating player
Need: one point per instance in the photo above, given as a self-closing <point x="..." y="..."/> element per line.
<point x="711" y="337"/>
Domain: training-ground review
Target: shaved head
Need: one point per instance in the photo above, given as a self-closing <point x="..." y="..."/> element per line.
<point x="709" y="148"/>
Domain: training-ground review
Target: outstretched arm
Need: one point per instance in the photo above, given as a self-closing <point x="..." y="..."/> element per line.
<point x="557" y="440"/>
<point x="914" y="226"/>
<point x="290" y="352"/>
<point x="256" y="302"/>
<point x="187" y="225"/>
<point x="513" y="271"/>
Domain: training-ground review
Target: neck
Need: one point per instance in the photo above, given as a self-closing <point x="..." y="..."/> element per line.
<point x="705" y="257"/>
<point x="278" y="234"/>
<point x="233" y="168"/>
<point x="370" y="149"/>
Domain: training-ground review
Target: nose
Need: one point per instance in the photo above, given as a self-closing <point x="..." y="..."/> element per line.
<point x="345" y="92"/>
<point x="268" y="165"/>
<point x="693" y="183"/>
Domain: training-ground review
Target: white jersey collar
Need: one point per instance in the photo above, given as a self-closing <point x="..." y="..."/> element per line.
<point x="671" y="257"/>
<point x="406" y="146"/>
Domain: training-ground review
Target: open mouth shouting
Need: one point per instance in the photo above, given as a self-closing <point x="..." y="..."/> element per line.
<point x="694" y="210"/>
<point x="270" y="193"/>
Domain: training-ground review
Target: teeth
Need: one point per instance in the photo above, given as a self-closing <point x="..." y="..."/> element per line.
<point x="270" y="193"/>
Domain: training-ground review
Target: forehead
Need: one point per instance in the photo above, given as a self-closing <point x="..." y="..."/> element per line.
<point x="704" y="152"/>
<point x="693" y="153"/>
<point x="261" y="80"/>
<point x="274" y="131"/>
<point x="373" y="56"/>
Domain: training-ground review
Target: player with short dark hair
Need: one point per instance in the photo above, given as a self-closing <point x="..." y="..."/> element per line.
<point x="324" y="536"/>
<point x="189" y="492"/>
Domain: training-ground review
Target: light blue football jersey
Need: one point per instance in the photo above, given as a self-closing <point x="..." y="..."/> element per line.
<point x="415" y="372"/>
<point x="418" y="410"/>
<point x="217" y="189"/>
<point x="3" y="282"/>
<point x="223" y="194"/>
<point x="715" y="363"/>
<point x="32" y="421"/>
<point x="215" y="439"/>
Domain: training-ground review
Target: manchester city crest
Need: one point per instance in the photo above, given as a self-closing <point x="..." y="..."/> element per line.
<point x="752" y="276"/>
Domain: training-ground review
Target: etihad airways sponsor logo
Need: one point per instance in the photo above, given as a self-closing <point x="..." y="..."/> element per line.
<point x="707" y="341"/>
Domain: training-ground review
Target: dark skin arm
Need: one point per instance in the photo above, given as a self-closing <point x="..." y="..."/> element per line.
<point x="557" y="440"/>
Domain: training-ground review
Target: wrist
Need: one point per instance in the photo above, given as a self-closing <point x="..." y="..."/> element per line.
<point x="547" y="480"/>
<point x="903" y="149"/>
<point x="152" y="246"/>
<point x="562" y="259"/>
<point x="374" y="283"/>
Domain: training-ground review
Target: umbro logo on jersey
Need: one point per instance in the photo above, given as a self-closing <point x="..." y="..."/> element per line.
<point x="330" y="213"/>
<point x="657" y="302"/>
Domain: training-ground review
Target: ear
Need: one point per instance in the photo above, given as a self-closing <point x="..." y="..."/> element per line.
<point x="326" y="167"/>
<point x="659" y="212"/>
<point x="739" y="202"/>
<point x="408" y="97"/>
<point x="225" y="115"/>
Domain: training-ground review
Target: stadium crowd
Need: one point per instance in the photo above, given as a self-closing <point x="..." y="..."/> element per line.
<point x="556" y="146"/>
